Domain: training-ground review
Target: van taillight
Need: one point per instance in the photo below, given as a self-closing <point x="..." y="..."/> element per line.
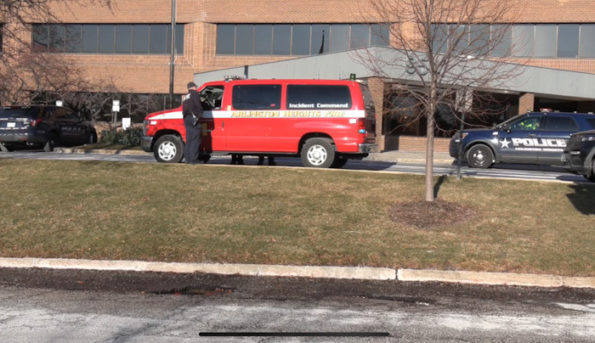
<point x="361" y="126"/>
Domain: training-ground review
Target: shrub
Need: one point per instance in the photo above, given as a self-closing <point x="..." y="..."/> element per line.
<point x="129" y="138"/>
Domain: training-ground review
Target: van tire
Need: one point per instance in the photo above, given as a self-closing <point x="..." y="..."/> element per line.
<point x="168" y="149"/>
<point x="318" y="153"/>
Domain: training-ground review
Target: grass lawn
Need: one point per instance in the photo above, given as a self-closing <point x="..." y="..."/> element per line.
<point x="207" y="213"/>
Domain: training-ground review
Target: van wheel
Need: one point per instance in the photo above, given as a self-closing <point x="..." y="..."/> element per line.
<point x="318" y="153"/>
<point x="168" y="149"/>
<point x="480" y="156"/>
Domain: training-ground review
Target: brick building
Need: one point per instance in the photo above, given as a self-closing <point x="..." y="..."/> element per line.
<point x="129" y="44"/>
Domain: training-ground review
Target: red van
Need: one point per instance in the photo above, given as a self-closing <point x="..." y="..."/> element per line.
<point x="325" y="122"/>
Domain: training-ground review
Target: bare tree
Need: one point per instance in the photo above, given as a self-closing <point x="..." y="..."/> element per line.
<point x="23" y="72"/>
<point x="446" y="50"/>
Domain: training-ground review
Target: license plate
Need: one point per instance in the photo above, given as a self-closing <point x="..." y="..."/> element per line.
<point x="11" y="125"/>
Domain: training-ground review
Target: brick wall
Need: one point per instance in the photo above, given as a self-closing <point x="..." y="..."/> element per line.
<point x="143" y="73"/>
<point x="412" y="143"/>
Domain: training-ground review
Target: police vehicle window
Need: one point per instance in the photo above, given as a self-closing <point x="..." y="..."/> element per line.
<point x="526" y="124"/>
<point x="560" y="124"/>
<point x="591" y="122"/>
<point x="318" y="97"/>
<point x="211" y="97"/>
<point x="256" y="97"/>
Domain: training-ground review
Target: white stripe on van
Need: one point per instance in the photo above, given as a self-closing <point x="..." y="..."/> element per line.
<point x="256" y="114"/>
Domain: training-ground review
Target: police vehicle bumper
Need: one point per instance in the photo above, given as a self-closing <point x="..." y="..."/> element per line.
<point x="24" y="136"/>
<point x="573" y="161"/>
<point x="453" y="146"/>
<point x="145" y="143"/>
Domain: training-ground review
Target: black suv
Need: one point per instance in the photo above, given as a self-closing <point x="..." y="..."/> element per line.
<point x="530" y="138"/>
<point x="579" y="154"/>
<point x="43" y="126"/>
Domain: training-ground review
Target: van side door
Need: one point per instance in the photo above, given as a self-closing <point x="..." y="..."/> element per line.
<point x="212" y="123"/>
<point x="255" y="108"/>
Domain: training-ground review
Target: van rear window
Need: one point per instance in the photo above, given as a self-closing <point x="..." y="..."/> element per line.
<point x="318" y="97"/>
<point x="256" y="97"/>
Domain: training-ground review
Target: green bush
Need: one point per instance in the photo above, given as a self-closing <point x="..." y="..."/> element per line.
<point x="129" y="138"/>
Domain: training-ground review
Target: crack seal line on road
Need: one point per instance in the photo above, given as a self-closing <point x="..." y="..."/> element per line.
<point x="362" y="273"/>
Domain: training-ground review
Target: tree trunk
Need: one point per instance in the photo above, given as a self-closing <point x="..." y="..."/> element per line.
<point x="430" y="147"/>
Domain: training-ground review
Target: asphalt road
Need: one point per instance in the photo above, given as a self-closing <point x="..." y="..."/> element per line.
<point x="502" y="171"/>
<point x="74" y="306"/>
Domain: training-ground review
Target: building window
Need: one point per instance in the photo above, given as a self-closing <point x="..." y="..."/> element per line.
<point x="568" y="40"/>
<point x="587" y="41"/>
<point x="519" y="40"/>
<point x="154" y="39"/>
<point x="298" y="39"/>
<point x="545" y="44"/>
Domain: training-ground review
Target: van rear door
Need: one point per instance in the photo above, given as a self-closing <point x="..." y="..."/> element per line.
<point x="370" y="119"/>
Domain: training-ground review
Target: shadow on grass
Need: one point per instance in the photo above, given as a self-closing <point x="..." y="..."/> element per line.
<point x="583" y="198"/>
<point x="438" y="184"/>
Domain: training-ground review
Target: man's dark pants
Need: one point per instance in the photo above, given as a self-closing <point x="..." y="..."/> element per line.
<point x="192" y="140"/>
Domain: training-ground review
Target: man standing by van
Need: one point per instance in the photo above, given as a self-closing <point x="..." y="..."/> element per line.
<point x="192" y="111"/>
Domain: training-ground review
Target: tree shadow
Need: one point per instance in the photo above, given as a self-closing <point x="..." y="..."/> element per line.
<point x="583" y="198"/>
<point x="439" y="183"/>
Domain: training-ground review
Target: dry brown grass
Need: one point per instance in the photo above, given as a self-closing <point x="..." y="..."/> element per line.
<point x="208" y="213"/>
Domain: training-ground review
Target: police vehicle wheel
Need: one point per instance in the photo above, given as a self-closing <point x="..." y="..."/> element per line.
<point x="592" y="176"/>
<point x="318" y="153"/>
<point x="168" y="149"/>
<point x="50" y="143"/>
<point x="480" y="156"/>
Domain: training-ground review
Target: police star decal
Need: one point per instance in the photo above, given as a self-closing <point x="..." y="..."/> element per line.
<point x="504" y="144"/>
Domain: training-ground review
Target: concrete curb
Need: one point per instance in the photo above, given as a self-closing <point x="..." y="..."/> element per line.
<point x="491" y="278"/>
<point x="361" y="273"/>
<point x="366" y="273"/>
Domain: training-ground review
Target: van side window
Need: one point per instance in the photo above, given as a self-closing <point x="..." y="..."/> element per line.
<point x="256" y="97"/>
<point x="211" y="97"/>
<point x="318" y="97"/>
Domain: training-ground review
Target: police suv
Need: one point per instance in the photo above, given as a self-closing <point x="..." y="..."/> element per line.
<point x="530" y="138"/>
<point x="579" y="154"/>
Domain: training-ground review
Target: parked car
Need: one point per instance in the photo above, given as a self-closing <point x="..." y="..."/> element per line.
<point x="579" y="154"/>
<point x="43" y="126"/>
<point x="530" y="138"/>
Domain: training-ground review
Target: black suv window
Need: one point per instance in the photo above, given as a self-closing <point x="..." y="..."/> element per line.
<point x="31" y="112"/>
<point x="526" y="124"/>
<point x="320" y="97"/>
<point x="256" y="97"/>
<point x="560" y="124"/>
